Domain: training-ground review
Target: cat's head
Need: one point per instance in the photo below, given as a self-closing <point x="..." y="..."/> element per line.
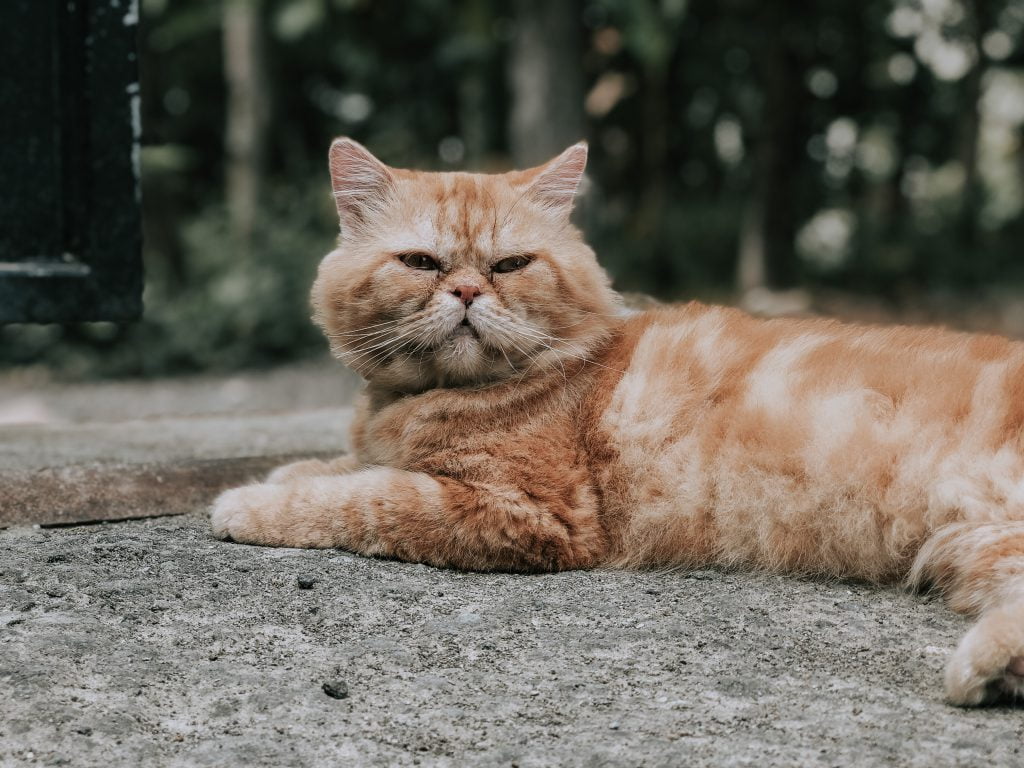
<point x="458" y="279"/>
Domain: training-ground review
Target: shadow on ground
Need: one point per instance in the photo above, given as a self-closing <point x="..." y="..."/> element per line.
<point x="150" y="643"/>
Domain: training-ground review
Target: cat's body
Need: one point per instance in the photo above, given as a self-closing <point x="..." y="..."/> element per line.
<point x="516" y="419"/>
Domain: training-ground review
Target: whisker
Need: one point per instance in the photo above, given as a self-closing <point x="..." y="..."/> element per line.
<point x="368" y="327"/>
<point x="385" y="348"/>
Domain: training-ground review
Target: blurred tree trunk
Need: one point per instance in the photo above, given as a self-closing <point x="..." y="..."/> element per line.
<point x="473" y="84"/>
<point x="248" y="113"/>
<point x="766" y="248"/>
<point x="978" y="19"/>
<point x="161" y="225"/>
<point x="864" y="197"/>
<point x="896" y="214"/>
<point x="654" y="157"/>
<point x="544" y="72"/>
<point x="658" y="32"/>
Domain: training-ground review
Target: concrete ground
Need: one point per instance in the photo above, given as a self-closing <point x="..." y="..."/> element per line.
<point x="149" y="643"/>
<point x="111" y="450"/>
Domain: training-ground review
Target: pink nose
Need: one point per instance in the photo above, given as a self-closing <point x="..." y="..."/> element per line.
<point x="466" y="292"/>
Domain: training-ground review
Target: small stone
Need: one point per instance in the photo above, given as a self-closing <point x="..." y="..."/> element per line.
<point x="306" y="582"/>
<point x="614" y="726"/>
<point x="336" y="689"/>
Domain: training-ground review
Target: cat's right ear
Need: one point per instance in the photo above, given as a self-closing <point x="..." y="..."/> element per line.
<point x="360" y="181"/>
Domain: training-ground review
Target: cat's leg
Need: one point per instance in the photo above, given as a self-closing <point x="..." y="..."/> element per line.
<point x="314" y="468"/>
<point x="980" y="567"/>
<point x="418" y="517"/>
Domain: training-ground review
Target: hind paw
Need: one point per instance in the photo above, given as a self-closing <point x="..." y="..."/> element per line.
<point x="988" y="665"/>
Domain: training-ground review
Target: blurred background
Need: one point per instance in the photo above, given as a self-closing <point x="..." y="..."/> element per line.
<point x="862" y="159"/>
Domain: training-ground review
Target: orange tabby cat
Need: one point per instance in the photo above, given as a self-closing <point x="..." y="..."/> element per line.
<point x="516" y="418"/>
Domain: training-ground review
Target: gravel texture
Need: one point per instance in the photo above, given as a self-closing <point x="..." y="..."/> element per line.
<point x="148" y="643"/>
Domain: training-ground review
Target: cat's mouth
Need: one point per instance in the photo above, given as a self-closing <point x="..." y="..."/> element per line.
<point x="465" y="329"/>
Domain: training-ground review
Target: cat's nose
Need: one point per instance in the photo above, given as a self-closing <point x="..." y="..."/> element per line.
<point x="466" y="292"/>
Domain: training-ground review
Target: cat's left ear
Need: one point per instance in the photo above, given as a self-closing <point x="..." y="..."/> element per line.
<point x="555" y="183"/>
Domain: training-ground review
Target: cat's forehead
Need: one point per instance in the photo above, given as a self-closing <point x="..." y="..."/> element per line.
<point x="458" y="213"/>
<point x="463" y="199"/>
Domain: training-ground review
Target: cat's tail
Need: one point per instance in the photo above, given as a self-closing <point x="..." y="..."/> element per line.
<point x="980" y="569"/>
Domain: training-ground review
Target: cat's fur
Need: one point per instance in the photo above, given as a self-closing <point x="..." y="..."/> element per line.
<point x="558" y="431"/>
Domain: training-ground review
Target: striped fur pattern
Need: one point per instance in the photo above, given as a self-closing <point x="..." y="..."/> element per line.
<point x="539" y="427"/>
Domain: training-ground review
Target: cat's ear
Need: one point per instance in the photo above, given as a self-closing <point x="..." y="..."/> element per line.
<point x="555" y="183"/>
<point x="360" y="181"/>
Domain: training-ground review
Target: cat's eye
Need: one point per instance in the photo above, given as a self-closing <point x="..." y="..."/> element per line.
<point x="511" y="263"/>
<point x="418" y="261"/>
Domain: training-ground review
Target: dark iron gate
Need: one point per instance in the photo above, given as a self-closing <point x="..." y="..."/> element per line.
<point x="69" y="143"/>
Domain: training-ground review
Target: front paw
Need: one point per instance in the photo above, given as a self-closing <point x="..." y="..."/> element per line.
<point x="297" y="469"/>
<point x="250" y="514"/>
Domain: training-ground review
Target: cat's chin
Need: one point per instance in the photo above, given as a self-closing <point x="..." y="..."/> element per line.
<point x="459" y="360"/>
<point x="463" y="357"/>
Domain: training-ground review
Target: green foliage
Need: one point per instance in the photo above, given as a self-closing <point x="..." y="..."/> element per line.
<point x="882" y="137"/>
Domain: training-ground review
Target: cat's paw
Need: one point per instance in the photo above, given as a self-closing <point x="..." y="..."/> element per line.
<point x="312" y="468"/>
<point x="248" y="514"/>
<point x="988" y="665"/>
<point x="307" y="468"/>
